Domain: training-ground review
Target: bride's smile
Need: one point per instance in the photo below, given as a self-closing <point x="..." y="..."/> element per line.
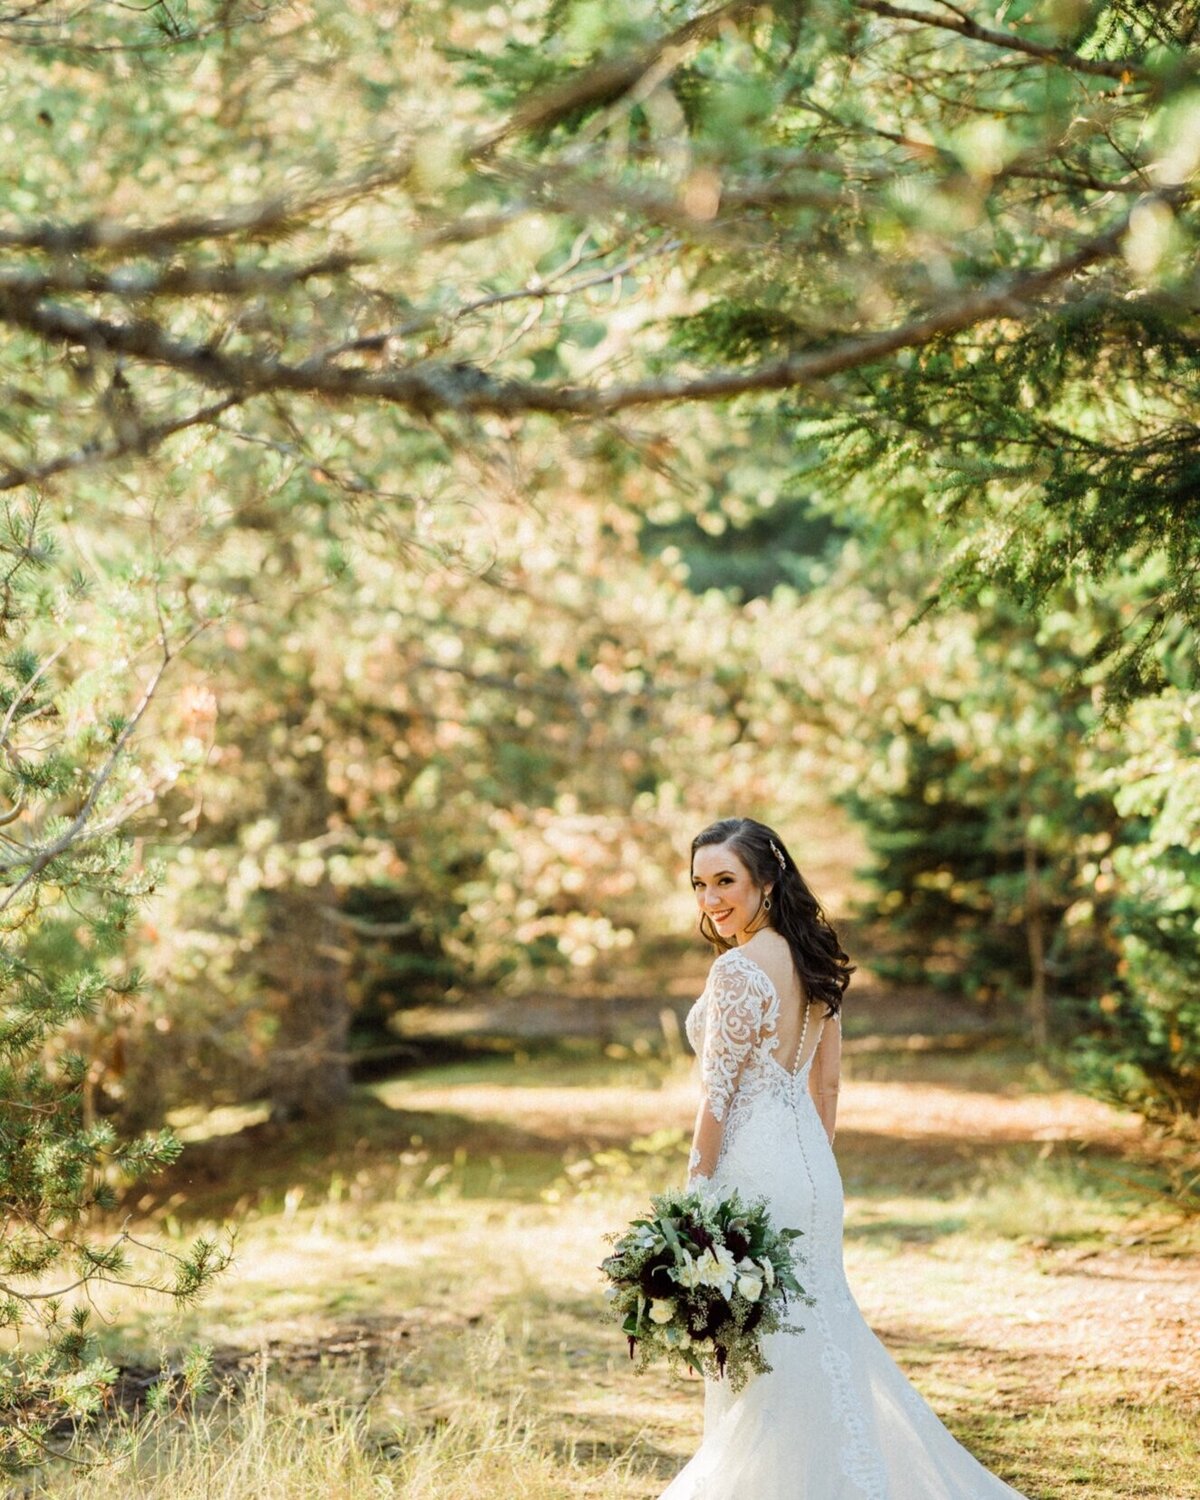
<point x="726" y="892"/>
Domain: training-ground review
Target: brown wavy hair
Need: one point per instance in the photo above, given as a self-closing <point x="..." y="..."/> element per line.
<point x="822" y="964"/>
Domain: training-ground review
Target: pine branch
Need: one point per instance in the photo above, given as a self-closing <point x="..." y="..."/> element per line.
<point x="141" y="439"/>
<point x="431" y="387"/>
<point x="1123" y="70"/>
<point x="168" y="281"/>
<point x="266" y="218"/>
<point x="34" y="861"/>
<point x="602" y="81"/>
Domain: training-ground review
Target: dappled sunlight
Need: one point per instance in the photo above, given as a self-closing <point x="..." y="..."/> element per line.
<point x="558" y="1111"/>
<point x="916" y="1110"/>
<point x="985" y="1244"/>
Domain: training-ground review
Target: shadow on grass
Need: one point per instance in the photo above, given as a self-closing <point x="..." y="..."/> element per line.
<point x="377" y="1152"/>
<point x="377" y="1148"/>
<point x="974" y="1387"/>
<point x="364" y="1148"/>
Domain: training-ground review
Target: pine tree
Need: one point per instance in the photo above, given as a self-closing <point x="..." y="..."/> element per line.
<point x="967" y="289"/>
<point x="68" y="892"/>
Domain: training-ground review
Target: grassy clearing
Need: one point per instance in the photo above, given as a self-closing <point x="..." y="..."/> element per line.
<point x="263" y="1439"/>
<point x="415" y="1307"/>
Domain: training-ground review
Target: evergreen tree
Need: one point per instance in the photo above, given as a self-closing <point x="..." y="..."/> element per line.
<point x="983" y="840"/>
<point x="349" y="286"/>
<point x="68" y="893"/>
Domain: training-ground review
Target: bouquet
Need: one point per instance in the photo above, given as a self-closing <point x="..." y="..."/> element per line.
<point x="700" y="1281"/>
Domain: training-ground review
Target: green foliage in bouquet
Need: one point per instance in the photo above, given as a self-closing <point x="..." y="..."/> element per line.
<point x="701" y="1281"/>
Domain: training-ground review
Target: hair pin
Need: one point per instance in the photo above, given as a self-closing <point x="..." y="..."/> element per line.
<point x="778" y="853"/>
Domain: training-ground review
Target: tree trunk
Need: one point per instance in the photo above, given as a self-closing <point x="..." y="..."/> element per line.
<point x="309" y="1067"/>
<point x="300" y="961"/>
<point x="1035" y="933"/>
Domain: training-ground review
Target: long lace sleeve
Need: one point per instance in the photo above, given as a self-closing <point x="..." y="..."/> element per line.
<point x="825" y="1074"/>
<point x="741" y="1006"/>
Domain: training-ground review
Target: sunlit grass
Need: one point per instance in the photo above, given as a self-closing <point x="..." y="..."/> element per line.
<point x="1052" y="1199"/>
<point x="1142" y="1448"/>
<point x="424" y="1276"/>
<point x="264" y="1440"/>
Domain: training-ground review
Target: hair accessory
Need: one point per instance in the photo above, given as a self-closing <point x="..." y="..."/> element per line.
<point x="778" y="853"/>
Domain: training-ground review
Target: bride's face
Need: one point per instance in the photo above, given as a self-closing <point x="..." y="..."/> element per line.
<point x="725" y="890"/>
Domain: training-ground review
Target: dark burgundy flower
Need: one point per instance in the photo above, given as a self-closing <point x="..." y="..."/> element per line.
<point x="704" y="1320"/>
<point x="655" y="1280"/>
<point x="698" y="1234"/>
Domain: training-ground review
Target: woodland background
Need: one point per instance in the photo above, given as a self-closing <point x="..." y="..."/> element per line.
<point x="451" y="452"/>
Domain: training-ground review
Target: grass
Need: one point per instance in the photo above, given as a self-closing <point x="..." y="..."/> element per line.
<point x="415" y="1308"/>
<point x="260" y="1438"/>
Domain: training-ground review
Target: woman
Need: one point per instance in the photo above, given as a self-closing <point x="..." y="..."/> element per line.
<point x="835" y="1419"/>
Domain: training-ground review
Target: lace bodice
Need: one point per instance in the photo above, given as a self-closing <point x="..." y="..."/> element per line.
<point x="733" y="1029"/>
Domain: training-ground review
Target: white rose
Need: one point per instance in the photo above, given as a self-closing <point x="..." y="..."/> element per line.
<point x="717" y="1269"/>
<point x="662" y="1309"/>
<point x="702" y="1268"/>
<point x="688" y="1274"/>
<point x="725" y="1256"/>
<point x="750" y="1287"/>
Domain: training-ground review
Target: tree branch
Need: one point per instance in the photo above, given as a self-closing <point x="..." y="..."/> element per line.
<point x="433" y="386"/>
<point x="168" y="281"/>
<point x="1124" y="70"/>
<point x="607" y="79"/>
<point x="145" y="438"/>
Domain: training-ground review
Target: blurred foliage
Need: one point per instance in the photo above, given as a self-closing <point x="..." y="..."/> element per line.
<point x="553" y="425"/>
<point x="463" y="780"/>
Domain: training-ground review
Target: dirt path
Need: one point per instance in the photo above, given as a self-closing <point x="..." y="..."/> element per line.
<point x="1111" y="1305"/>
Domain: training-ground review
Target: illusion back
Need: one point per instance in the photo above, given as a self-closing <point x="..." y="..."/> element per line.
<point x="735" y="1028"/>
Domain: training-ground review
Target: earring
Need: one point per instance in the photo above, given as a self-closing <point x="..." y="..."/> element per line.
<point x="766" y="903"/>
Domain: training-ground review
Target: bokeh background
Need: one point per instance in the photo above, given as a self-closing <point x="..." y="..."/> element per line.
<point x="451" y="453"/>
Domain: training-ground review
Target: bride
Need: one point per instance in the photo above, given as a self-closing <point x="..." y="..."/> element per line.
<point x="835" y="1419"/>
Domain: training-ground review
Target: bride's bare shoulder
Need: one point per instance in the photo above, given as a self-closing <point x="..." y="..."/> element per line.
<point x="769" y="950"/>
<point x="767" y="945"/>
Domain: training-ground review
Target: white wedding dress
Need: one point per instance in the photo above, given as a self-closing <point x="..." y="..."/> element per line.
<point x="835" y="1419"/>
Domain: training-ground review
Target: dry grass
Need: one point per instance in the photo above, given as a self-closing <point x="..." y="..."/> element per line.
<point x="422" y="1279"/>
